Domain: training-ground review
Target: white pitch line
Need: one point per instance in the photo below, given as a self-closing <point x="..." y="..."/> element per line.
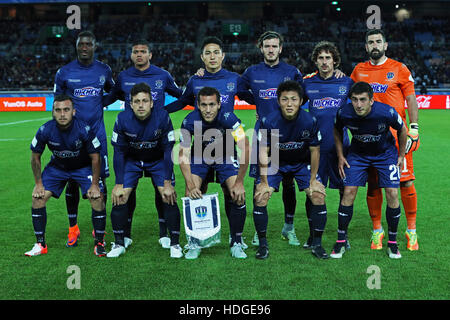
<point x="23" y="121"/>
<point x="13" y="139"/>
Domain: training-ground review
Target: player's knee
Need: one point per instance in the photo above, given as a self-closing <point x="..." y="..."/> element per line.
<point x="38" y="203"/>
<point x="349" y="196"/>
<point x="406" y="184"/>
<point x="97" y="204"/>
<point x="317" y="199"/>
<point x="261" y="202"/>
<point x="392" y="197"/>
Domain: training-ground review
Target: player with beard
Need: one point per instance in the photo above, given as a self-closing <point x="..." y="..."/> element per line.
<point x="262" y="81"/>
<point x="392" y="84"/>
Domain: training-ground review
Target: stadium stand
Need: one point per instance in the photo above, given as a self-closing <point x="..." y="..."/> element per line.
<point x="30" y="60"/>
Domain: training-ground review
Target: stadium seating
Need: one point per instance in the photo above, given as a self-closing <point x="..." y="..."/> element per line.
<point x="32" y="63"/>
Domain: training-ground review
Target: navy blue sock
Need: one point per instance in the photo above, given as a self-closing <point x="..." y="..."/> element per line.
<point x="260" y="219"/>
<point x="238" y="213"/>
<point x="159" y="204"/>
<point x="308" y="205"/>
<point x="228" y="205"/>
<point x="39" y="219"/>
<point x="105" y="191"/>
<point x="172" y="217"/>
<point x="131" y="206"/>
<point x="72" y="200"/>
<point x="119" y="222"/>
<point x="319" y="220"/>
<point x="99" y="223"/>
<point x="289" y="201"/>
<point x="345" y="214"/>
<point x="392" y="217"/>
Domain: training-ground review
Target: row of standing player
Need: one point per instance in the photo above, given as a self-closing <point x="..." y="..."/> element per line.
<point x="260" y="79"/>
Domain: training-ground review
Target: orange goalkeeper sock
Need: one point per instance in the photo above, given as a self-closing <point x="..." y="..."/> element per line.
<point x="409" y="200"/>
<point x="374" y="203"/>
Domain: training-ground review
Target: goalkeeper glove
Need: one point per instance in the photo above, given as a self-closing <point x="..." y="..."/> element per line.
<point x="412" y="141"/>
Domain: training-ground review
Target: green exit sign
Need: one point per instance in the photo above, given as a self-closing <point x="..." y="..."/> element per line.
<point x="57" y="31"/>
<point x="234" y="29"/>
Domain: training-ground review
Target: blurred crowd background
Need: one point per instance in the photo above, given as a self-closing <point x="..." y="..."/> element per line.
<point x="35" y="42"/>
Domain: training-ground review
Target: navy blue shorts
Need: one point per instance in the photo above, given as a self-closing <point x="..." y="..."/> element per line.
<point x="223" y="171"/>
<point x="328" y="170"/>
<point x="388" y="172"/>
<point x="134" y="170"/>
<point x="301" y="172"/>
<point x="55" y="179"/>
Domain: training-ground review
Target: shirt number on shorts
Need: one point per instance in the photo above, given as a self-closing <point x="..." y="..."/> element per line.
<point x="395" y="172"/>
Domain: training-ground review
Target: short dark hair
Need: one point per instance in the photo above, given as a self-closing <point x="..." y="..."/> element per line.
<point x="375" y="31"/>
<point x="269" y="35"/>
<point x="361" y="87"/>
<point x="209" y="91"/>
<point x="212" y="39"/>
<point x="141" y="87"/>
<point x="141" y="42"/>
<point x="87" y="34"/>
<point x="290" y="85"/>
<point x="327" y="47"/>
<point x="62" y="97"/>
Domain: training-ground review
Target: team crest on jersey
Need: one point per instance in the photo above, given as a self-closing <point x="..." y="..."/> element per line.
<point x="390" y="75"/>
<point x="102" y="80"/>
<point x="305" y="134"/>
<point x="381" y="127"/>
<point x="158" y="84"/>
<point x="78" y="144"/>
<point x="286" y="79"/>
<point x="230" y="86"/>
<point x="342" y="90"/>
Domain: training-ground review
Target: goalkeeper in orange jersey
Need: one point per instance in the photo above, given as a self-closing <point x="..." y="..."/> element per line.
<point x="392" y="84"/>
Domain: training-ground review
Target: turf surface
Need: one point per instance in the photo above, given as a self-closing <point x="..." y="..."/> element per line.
<point x="147" y="272"/>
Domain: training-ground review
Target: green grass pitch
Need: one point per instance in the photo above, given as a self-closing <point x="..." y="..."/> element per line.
<point x="291" y="273"/>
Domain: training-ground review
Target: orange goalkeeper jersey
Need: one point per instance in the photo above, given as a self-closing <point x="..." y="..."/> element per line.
<point x="391" y="81"/>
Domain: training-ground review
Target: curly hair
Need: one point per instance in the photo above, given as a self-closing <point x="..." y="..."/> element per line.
<point x="327" y="47"/>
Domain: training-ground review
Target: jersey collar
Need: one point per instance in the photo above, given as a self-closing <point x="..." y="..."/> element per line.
<point x="85" y="66"/>
<point x="380" y="63"/>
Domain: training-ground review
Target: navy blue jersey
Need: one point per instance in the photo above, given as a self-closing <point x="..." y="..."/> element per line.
<point x="71" y="147"/>
<point x="263" y="80"/>
<point x="370" y="134"/>
<point x="86" y="85"/>
<point x="294" y="136"/>
<point x="325" y="98"/>
<point x="224" y="81"/>
<point x="226" y="129"/>
<point x="159" y="80"/>
<point x="146" y="140"/>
